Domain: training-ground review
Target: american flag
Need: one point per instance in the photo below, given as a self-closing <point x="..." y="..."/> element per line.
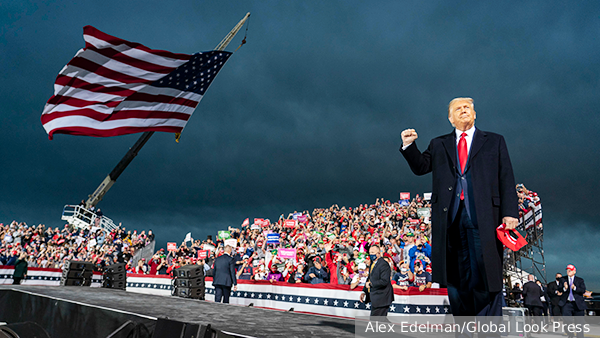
<point x="116" y="87"/>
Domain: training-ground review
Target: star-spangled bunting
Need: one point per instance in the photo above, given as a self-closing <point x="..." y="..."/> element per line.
<point x="321" y="301"/>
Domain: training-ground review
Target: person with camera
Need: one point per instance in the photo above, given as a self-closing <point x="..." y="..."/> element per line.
<point x="404" y="278"/>
<point x="422" y="277"/>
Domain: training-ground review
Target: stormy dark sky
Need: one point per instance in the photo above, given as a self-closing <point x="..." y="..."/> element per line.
<point x="308" y="113"/>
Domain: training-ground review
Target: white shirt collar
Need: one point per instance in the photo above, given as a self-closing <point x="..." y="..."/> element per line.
<point x="469" y="132"/>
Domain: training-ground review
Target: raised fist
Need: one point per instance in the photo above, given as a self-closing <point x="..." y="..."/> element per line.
<point x="408" y="136"/>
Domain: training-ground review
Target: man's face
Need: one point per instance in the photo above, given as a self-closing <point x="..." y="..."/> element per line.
<point x="558" y="276"/>
<point x="571" y="273"/>
<point x="462" y="115"/>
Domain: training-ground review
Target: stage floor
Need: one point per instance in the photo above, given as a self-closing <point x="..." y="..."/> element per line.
<point x="249" y="321"/>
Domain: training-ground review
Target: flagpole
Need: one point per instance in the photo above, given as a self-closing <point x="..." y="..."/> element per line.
<point x="110" y="180"/>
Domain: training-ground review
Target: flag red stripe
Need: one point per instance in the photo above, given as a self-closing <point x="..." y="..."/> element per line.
<point x="89" y="30"/>
<point x="65" y="80"/>
<point x="105" y="72"/>
<point x="128" y="60"/>
<point x="119" y="115"/>
<point x="144" y="97"/>
<point x="75" y="102"/>
<point x="131" y="95"/>
<point x="83" y="131"/>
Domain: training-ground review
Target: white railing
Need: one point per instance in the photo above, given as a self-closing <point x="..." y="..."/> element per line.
<point x="81" y="217"/>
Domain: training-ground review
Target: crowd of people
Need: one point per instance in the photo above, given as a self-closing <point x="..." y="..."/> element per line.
<point x="330" y="245"/>
<point x="45" y="247"/>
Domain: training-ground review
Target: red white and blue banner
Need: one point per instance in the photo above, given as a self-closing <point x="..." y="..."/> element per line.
<point x="41" y="276"/>
<point x="320" y="299"/>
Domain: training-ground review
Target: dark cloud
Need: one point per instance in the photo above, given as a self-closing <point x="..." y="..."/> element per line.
<point x="308" y="113"/>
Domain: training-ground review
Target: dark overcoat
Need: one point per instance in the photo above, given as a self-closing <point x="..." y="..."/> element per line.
<point x="490" y="193"/>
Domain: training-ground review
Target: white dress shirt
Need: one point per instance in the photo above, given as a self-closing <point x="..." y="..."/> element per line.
<point x="468" y="138"/>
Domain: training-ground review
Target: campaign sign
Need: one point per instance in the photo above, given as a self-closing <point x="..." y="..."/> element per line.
<point x="286" y="253"/>
<point x="255" y="227"/>
<point x="208" y="247"/>
<point x="302" y="219"/>
<point x="258" y="221"/>
<point x="424" y="212"/>
<point x="171" y="246"/>
<point x="202" y="254"/>
<point x="295" y="215"/>
<point x="404" y="203"/>
<point x="224" y="234"/>
<point x="414" y="221"/>
<point x="404" y="195"/>
<point x="272" y="238"/>
<point x="290" y="223"/>
<point x="232" y="242"/>
<point x="427" y="196"/>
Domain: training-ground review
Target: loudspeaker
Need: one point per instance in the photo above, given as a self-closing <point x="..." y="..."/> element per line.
<point x="23" y="330"/>
<point x="115" y="268"/>
<point x="78" y="265"/>
<point x="167" y="328"/>
<point x="196" y="293"/>
<point x="114" y="284"/>
<point x="188" y="282"/>
<point x="189" y="271"/>
<point x="114" y="277"/>
<point x="75" y="282"/>
<point x="87" y="274"/>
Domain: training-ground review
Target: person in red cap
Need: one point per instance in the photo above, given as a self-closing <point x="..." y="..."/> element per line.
<point x="571" y="301"/>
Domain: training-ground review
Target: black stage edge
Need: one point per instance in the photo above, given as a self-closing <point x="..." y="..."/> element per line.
<point x="73" y="311"/>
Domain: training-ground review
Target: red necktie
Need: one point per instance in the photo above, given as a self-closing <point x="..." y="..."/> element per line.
<point x="462" y="157"/>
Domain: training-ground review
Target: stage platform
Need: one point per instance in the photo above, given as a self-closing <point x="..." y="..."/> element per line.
<point x="233" y="319"/>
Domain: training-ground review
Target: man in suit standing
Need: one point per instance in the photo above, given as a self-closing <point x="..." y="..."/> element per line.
<point x="379" y="284"/>
<point x="532" y="294"/>
<point x="473" y="192"/>
<point x="224" y="276"/>
<point x="554" y="292"/>
<point x="531" y="297"/>
<point x="571" y="302"/>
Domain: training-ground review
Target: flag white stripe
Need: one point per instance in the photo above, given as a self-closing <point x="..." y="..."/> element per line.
<point x="120" y="67"/>
<point x="132" y="105"/>
<point x="135" y="53"/>
<point x="86" y="122"/>
<point x="176" y="108"/>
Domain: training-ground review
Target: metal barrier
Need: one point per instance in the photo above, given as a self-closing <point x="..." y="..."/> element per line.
<point x="81" y="217"/>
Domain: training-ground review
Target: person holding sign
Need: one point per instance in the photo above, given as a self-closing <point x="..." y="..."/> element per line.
<point x="224" y="276"/>
<point x="473" y="192"/>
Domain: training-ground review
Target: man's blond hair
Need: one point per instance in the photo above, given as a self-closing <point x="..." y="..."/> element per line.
<point x="468" y="99"/>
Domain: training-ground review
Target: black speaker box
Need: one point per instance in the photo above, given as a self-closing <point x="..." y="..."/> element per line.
<point x="75" y="282"/>
<point x="196" y="293"/>
<point x="115" y="268"/>
<point x="77" y="274"/>
<point x="189" y="271"/>
<point x="188" y="282"/>
<point x="78" y="265"/>
<point x="114" y="284"/>
<point x="114" y="276"/>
